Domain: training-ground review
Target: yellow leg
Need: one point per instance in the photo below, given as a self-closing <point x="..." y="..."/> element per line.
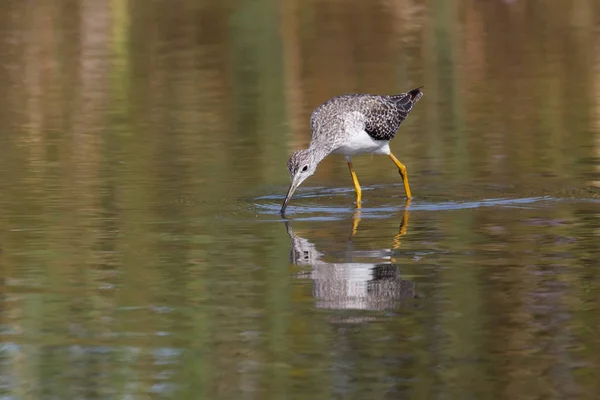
<point x="356" y="185"/>
<point x="403" y="174"/>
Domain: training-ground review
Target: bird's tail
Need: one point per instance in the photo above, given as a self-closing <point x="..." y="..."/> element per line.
<point x="416" y="94"/>
<point x="408" y="99"/>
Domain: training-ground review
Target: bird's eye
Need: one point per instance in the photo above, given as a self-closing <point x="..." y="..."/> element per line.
<point x="305" y="168"/>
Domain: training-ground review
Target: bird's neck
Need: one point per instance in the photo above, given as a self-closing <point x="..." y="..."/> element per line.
<point x="319" y="153"/>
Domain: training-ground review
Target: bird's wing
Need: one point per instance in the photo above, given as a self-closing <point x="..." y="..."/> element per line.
<point x="383" y="117"/>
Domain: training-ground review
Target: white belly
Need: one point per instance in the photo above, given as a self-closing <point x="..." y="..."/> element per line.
<point x="360" y="142"/>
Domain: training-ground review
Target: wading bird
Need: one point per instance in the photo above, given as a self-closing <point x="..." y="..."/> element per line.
<point x="350" y="125"/>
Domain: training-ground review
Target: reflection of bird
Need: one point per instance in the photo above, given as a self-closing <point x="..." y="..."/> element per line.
<point x="353" y="285"/>
<point x="350" y="125"/>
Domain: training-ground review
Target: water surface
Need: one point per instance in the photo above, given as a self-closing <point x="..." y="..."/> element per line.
<point x="142" y="166"/>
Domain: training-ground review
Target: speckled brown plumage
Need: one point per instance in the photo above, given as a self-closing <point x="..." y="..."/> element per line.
<point x="351" y="125"/>
<point x="383" y="115"/>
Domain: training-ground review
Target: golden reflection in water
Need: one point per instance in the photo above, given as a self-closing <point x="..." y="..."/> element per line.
<point x="106" y="118"/>
<point x="354" y="284"/>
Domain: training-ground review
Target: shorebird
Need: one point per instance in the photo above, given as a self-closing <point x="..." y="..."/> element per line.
<point x="350" y="125"/>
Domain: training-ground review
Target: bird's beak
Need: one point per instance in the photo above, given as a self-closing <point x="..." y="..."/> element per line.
<point x="295" y="183"/>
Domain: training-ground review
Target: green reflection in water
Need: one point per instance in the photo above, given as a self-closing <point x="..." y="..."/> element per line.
<point x="142" y="163"/>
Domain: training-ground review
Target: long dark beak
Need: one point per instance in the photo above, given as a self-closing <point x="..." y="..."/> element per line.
<point x="288" y="197"/>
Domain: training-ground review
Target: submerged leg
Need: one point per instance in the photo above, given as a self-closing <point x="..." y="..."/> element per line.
<point x="403" y="226"/>
<point x="403" y="174"/>
<point x="355" y="222"/>
<point x="355" y="182"/>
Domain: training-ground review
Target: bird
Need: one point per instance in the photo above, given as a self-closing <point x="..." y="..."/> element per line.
<point x="350" y="125"/>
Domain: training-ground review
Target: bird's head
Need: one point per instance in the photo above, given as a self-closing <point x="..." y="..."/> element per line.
<point x="301" y="165"/>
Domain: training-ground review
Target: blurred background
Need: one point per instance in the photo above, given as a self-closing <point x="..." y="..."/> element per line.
<point x="143" y="150"/>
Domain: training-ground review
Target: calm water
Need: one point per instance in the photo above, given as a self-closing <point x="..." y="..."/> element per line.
<point x="142" y="164"/>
